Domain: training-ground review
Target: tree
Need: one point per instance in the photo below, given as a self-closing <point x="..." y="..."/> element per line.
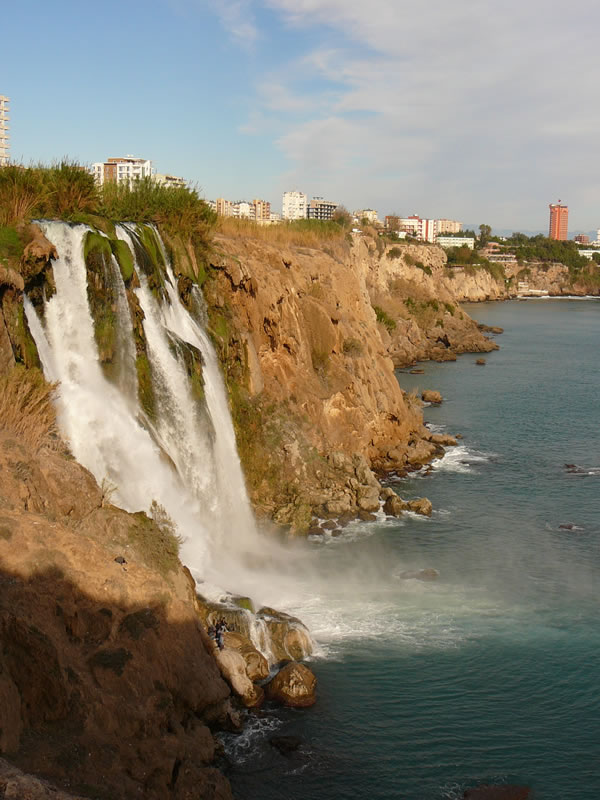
<point x="485" y="231"/>
<point x="342" y="216"/>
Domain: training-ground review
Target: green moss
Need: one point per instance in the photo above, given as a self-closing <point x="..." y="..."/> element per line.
<point x="11" y="247"/>
<point x="26" y="344"/>
<point x="145" y="387"/>
<point x="155" y="543"/>
<point x="96" y="244"/>
<point x="450" y="308"/>
<point x="124" y="258"/>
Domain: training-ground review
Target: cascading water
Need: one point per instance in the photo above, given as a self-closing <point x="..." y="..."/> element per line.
<point x="184" y="458"/>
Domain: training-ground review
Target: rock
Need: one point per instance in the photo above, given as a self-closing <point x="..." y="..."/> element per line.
<point x="257" y="666"/>
<point x="285" y="744"/>
<point x="480" y="362"/>
<point x="329" y="525"/>
<point x="422" y="452"/>
<point x="233" y="668"/>
<point x="428" y="574"/>
<point x="346" y="518"/>
<point x="387" y="492"/>
<point x="431" y="396"/>
<point x="394" y="506"/>
<point x="289" y="637"/>
<point x="365" y="516"/>
<point x="314" y="530"/>
<point x="417" y="371"/>
<point x="294" y="685"/>
<point x="368" y="498"/>
<point x="443" y="439"/>
<point x="420" y="506"/>
<point x="498" y="793"/>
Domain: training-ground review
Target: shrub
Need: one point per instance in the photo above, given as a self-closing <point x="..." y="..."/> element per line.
<point x="421" y="265"/>
<point x="352" y="347"/>
<point x="450" y="308"/>
<point x="395" y="252"/>
<point x="408" y="259"/>
<point x="384" y="318"/>
<point x="27" y="410"/>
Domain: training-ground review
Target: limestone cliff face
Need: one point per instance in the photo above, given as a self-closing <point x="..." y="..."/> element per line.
<point x="107" y="682"/>
<point x="313" y="336"/>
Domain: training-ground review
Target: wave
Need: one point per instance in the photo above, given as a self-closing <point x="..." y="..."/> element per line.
<point x="460" y="459"/>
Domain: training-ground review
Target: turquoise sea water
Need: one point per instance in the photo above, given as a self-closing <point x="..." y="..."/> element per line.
<point x="491" y="673"/>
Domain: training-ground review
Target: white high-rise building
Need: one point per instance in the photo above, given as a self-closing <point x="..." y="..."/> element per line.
<point x="4" y="137"/>
<point x="122" y="170"/>
<point x="294" y="205"/>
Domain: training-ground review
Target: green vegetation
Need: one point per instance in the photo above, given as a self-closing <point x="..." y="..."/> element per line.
<point x="450" y="308"/>
<point x="155" y="540"/>
<point x="11" y="246"/>
<point x="540" y="248"/>
<point x="384" y="318"/>
<point x="408" y="259"/>
<point x="145" y="387"/>
<point x="352" y="347"/>
<point x="124" y="258"/>
<point x="422" y="266"/>
<point x="395" y="252"/>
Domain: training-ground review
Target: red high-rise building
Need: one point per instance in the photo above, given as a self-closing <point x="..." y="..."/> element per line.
<point x="559" y="221"/>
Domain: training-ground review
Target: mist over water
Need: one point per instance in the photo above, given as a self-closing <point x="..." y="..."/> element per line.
<point x="488" y="674"/>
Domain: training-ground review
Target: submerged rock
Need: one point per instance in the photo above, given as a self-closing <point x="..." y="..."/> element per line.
<point x="285" y="744"/>
<point x="498" y="793"/>
<point x="428" y="574"/>
<point x="480" y="362"/>
<point x="294" y="685"/>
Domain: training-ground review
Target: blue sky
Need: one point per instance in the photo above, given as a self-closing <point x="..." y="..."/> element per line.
<point x="479" y="111"/>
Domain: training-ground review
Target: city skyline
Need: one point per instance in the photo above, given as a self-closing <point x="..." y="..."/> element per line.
<point x="362" y="103"/>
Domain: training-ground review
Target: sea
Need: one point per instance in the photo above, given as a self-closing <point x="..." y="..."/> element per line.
<point x="491" y="672"/>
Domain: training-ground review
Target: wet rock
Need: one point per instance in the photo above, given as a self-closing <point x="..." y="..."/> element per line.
<point x="257" y="666"/>
<point x="314" y="530"/>
<point x="394" y="506"/>
<point x="422" y="452"/>
<point x="480" y="362"/>
<point x="233" y="668"/>
<point x="285" y="744"/>
<point x="329" y="525"/>
<point x="365" y="516"/>
<point x="346" y="518"/>
<point x="417" y="371"/>
<point x="431" y="396"/>
<point x="294" y="686"/>
<point x="420" y="506"/>
<point x="368" y="498"/>
<point x="289" y="638"/>
<point x="428" y="574"/>
<point x="498" y="793"/>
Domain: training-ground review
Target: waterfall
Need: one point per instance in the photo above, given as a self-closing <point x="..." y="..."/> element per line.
<point x="185" y="457"/>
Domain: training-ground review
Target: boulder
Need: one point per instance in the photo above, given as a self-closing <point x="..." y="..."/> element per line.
<point x="480" y="362"/>
<point x="394" y="506"/>
<point x="387" y="492"/>
<point x="420" y="506"/>
<point x="498" y="793"/>
<point x="257" y="666"/>
<point x="431" y="396"/>
<point x="285" y="744"/>
<point x="289" y="638"/>
<point x="233" y="668"/>
<point x="365" y="516"/>
<point x="294" y="685"/>
<point x="422" y="452"/>
<point x="368" y="498"/>
<point x="443" y="439"/>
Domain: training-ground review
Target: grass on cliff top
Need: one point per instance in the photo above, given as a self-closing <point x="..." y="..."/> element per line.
<point x="66" y="190"/>
<point x="27" y="410"/>
<point x="301" y="232"/>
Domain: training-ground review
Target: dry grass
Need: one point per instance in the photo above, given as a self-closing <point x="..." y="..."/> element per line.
<point x="301" y="233"/>
<point x="27" y="410"/>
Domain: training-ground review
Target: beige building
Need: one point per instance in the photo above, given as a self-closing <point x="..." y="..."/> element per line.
<point x="223" y="207"/>
<point x="169" y="180"/>
<point x="4" y="137"/>
<point x="367" y="213"/>
<point x="448" y="226"/>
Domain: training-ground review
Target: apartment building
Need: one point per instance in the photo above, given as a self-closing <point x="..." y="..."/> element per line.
<point x="294" y="205"/>
<point x="121" y="170"/>
<point x="262" y="210"/>
<point x="456" y="241"/>
<point x="559" y="221"/>
<point x="321" y="209"/>
<point x="258" y="210"/>
<point x="4" y="126"/>
<point x="448" y="226"/>
<point x="367" y="213"/>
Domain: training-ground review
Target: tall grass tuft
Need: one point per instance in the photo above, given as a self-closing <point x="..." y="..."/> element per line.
<point x="26" y="408"/>
<point x="71" y="190"/>
<point x="22" y="193"/>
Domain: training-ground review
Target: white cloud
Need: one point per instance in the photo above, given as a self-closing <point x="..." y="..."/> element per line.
<point x="237" y="19"/>
<point x="454" y="104"/>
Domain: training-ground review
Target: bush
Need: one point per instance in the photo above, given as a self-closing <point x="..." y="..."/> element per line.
<point x="421" y="265"/>
<point x="352" y="347"/>
<point x="395" y="252"/>
<point x="384" y="318"/>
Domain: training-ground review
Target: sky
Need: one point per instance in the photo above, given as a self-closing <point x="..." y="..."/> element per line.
<point x="477" y="110"/>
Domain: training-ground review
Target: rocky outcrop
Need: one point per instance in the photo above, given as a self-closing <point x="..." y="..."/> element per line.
<point x="431" y="396"/>
<point x="108" y="684"/>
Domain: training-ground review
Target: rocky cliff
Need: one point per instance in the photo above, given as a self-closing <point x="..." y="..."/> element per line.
<point x="309" y="339"/>
<point x="108" y="686"/>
